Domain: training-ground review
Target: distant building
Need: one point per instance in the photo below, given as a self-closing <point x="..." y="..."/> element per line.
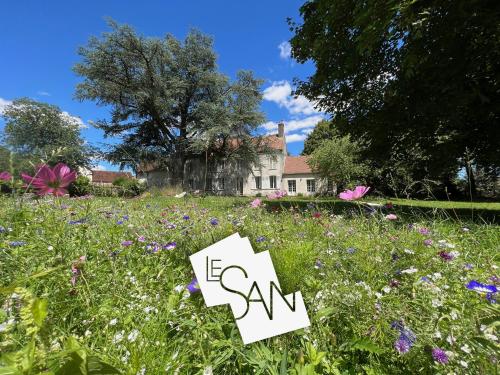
<point x="275" y="171"/>
<point x="99" y="177"/>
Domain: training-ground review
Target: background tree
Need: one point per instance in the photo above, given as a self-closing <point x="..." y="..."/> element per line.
<point x="409" y="74"/>
<point x="322" y="131"/>
<point x="167" y="97"/>
<point x="339" y="159"/>
<point x="37" y="131"/>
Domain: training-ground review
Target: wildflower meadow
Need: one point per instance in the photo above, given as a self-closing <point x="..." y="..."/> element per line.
<point x="104" y="285"/>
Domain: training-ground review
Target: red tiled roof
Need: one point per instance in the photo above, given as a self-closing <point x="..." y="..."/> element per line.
<point x="296" y="165"/>
<point x="108" y="176"/>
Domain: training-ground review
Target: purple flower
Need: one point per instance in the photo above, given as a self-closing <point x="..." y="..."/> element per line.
<point x="214" y="221"/>
<point x="141" y="239"/>
<point x="170" y="246"/>
<point x="76" y="222"/>
<point x="260" y="239"/>
<point x="119" y="222"/>
<point x="440" y="356"/>
<point x="468" y="266"/>
<point x="428" y="242"/>
<point x="318" y="264"/>
<point x="402" y="345"/>
<point x="491" y="297"/>
<point x="481" y="288"/>
<point x="446" y="256"/>
<point x="152" y="247"/>
<point x="170" y="226"/>
<point x="127" y="243"/>
<point x="186" y="217"/>
<point x="424" y="231"/>
<point x="351" y="250"/>
<point x="193" y="286"/>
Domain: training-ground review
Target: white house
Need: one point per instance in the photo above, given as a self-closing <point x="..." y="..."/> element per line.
<point x="276" y="170"/>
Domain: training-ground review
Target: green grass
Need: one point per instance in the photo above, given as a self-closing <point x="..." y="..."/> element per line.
<point x="130" y="308"/>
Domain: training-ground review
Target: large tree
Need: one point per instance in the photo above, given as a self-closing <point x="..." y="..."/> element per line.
<point x="37" y="132"/>
<point x="168" y="100"/>
<point x="413" y="77"/>
<point x="322" y="131"/>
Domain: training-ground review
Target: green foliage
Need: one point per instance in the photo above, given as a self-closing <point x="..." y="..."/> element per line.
<point x="418" y="79"/>
<point x="323" y="131"/>
<point x="130" y="305"/>
<point x="339" y="159"/>
<point x="80" y="187"/>
<point x="39" y="132"/>
<point x="168" y="100"/>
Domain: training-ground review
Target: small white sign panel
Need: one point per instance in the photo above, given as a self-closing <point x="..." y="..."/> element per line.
<point x="229" y="272"/>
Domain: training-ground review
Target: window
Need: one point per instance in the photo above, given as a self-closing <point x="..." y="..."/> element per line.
<point x="258" y="182"/>
<point x="311" y="186"/>
<point x="272" y="162"/>
<point x="272" y="182"/>
<point x="329" y="186"/>
<point x="292" y="186"/>
<point x="220" y="183"/>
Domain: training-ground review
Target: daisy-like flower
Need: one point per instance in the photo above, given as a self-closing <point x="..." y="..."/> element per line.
<point x="193" y="286"/>
<point x="357" y="193"/>
<point x="51" y="181"/>
<point x="440" y="356"/>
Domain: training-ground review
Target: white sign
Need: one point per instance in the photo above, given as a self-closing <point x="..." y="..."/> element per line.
<point x="229" y="272"/>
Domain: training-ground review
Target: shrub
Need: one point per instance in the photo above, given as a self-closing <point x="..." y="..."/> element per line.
<point x="81" y="186"/>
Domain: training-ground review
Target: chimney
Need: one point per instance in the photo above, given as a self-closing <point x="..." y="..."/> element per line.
<point x="281" y="129"/>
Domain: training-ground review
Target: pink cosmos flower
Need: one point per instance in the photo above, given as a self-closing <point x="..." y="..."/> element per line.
<point x="391" y="217"/>
<point x="277" y="194"/>
<point x="349" y="195"/>
<point x="256" y="203"/>
<point x="51" y="181"/>
<point x="5" y="176"/>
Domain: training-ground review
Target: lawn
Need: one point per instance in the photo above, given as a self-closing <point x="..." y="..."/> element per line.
<point x="383" y="296"/>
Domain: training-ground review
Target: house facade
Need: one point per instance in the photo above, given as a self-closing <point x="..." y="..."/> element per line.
<point x="276" y="170"/>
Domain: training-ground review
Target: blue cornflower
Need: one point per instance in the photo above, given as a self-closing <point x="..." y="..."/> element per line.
<point x="119" y="222"/>
<point x="260" y="239"/>
<point x="214" y="221"/>
<point x="481" y="288"/>
<point x="17" y="243"/>
<point x="351" y="250"/>
<point x="186" y="217"/>
<point x="2" y="229"/>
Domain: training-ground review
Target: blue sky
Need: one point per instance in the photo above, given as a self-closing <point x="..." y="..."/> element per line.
<point x="39" y="41"/>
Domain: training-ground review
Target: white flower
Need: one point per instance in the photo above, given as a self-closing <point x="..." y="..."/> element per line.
<point x="408" y="251"/>
<point x="450" y="339"/>
<point x="454" y="315"/>
<point x="437" y="335"/>
<point x="436" y="303"/>
<point x="88" y="333"/>
<point x="208" y="371"/>
<point x="113" y="322"/>
<point x="465" y="348"/>
<point x="410" y="270"/>
<point x="490" y="336"/>
<point x="464" y="364"/>
<point x="118" y="337"/>
<point x="133" y="335"/>
<point x="50" y="248"/>
<point x="386" y="289"/>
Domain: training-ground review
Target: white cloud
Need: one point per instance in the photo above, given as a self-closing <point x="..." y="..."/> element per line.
<point x="4" y="103"/>
<point x="296" y="138"/>
<point x="74" y="120"/>
<point x="305" y="125"/>
<point x="285" y="50"/>
<point x="280" y="92"/>
<point x="99" y="167"/>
